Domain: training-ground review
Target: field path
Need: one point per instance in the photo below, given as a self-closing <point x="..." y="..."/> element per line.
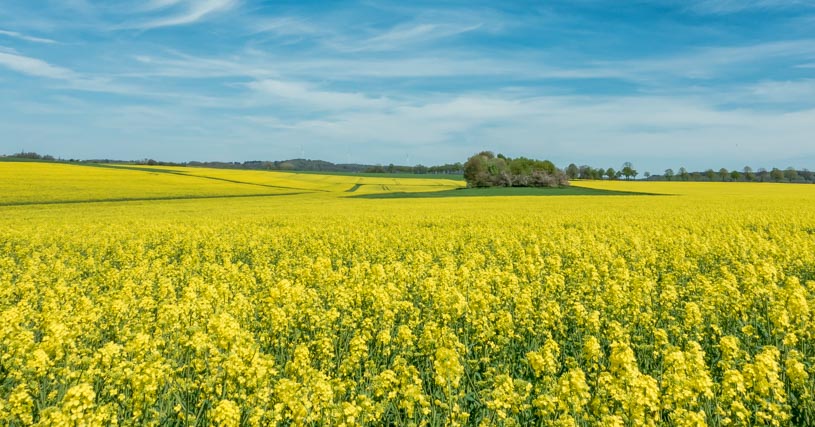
<point x="354" y="188"/>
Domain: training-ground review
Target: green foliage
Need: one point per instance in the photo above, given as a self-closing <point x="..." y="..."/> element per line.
<point x="628" y="171"/>
<point x="611" y="173"/>
<point x="572" y="171"/>
<point x="487" y="170"/>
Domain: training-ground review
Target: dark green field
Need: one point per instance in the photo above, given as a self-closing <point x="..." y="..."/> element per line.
<point x="505" y="191"/>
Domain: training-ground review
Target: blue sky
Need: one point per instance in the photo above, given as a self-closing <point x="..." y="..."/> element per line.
<point x="693" y="83"/>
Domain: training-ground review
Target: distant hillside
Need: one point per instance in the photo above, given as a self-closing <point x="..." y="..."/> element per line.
<point x="285" y="165"/>
<point x="300" y="165"/>
<point x="308" y="165"/>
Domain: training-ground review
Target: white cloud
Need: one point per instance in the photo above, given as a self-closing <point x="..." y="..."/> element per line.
<point x="735" y="6"/>
<point x="426" y="26"/>
<point x="286" y="26"/>
<point x="785" y="91"/>
<point x="159" y="4"/>
<point x="701" y="63"/>
<point x="34" y="67"/>
<point x="69" y="79"/>
<point x="184" y="12"/>
<point x="708" y="62"/>
<point x="191" y="67"/>
<point x="405" y="35"/>
<point x="20" y="36"/>
<point x="301" y="94"/>
<point x="260" y="65"/>
<point x="650" y="72"/>
<point x="655" y="131"/>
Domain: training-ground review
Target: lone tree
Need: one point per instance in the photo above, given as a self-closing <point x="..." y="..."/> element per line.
<point x="572" y="171"/>
<point x="485" y="169"/>
<point x="629" y="171"/>
<point x="611" y="173"/>
<point x="791" y="174"/>
<point x="748" y="173"/>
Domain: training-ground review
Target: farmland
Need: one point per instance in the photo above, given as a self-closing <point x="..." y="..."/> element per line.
<point x="182" y="296"/>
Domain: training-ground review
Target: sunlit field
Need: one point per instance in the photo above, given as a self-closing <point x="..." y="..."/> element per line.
<point x="190" y="306"/>
<point x="22" y="183"/>
<point x="316" y="182"/>
<point x="27" y="183"/>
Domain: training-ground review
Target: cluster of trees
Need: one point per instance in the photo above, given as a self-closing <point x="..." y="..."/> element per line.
<point x="485" y="169"/>
<point x="745" y="175"/>
<point x="587" y="172"/>
<point x="148" y="162"/>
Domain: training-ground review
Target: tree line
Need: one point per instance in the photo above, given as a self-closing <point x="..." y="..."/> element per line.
<point x="746" y="174"/>
<point x="627" y="171"/>
<point x="501" y="170"/>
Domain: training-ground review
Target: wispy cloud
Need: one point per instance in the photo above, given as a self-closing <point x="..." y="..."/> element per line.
<point x="34" y="67"/>
<point x="301" y="94"/>
<point x="285" y="26"/>
<point x="708" y="62"/>
<point x="789" y="91"/>
<point x="68" y="78"/>
<point x="734" y="6"/>
<point x="604" y="130"/>
<point x="422" y="28"/>
<point x="179" y="12"/>
<point x="406" y="35"/>
<point x="259" y="65"/>
<point x="176" y="64"/>
<point x="27" y="38"/>
<point x="703" y="64"/>
<point x="158" y="4"/>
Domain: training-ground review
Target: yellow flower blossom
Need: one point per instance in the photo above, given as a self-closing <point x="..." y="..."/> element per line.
<point x="226" y="414"/>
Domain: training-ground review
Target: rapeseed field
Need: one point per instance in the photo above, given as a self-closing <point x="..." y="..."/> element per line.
<point x="689" y="308"/>
<point x="307" y="181"/>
